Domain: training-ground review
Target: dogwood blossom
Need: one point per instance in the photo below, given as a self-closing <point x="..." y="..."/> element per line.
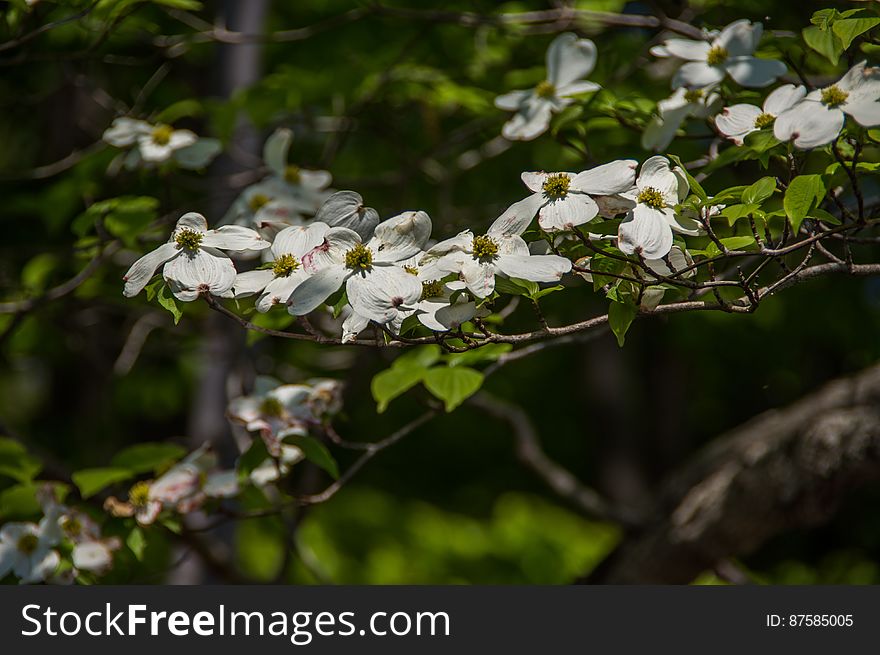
<point x="648" y="226"/>
<point x="674" y="110"/>
<point x="159" y="143"/>
<point x="728" y="53"/>
<point x="275" y="284"/>
<point x="569" y="60"/>
<point x="563" y="200"/>
<point x="193" y="263"/>
<point x="347" y="209"/>
<point x="819" y="117"/>
<point x="26" y="550"/>
<point x="478" y="259"/>
<point x="376" y="288"/>
<point x="738" y="121"/>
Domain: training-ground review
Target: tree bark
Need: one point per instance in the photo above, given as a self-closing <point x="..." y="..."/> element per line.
<point x="782" y="470"/>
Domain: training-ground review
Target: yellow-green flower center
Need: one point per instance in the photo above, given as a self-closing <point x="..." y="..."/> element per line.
<point x="291" y="174"/>
<point x="257" y="201"/>
<point x="432" y="289"/>
<point x="188" y="239"/>
<point x="162" y="134"/>
<point x="271" y="406"/>
<point x="764" y="120"/>
<point x="28" y="543"/>
<point x="359" y="258"/>
<point x="545" y="90"/>
<point x="834" y="96"/>
<point x="484" y="247"/>
<point x="285" y="265"/>
<point x="412" y="270"/>
<point x="693" y="95"/>
<point x="716" y="56"/>
<point x="73" y="528"/>
<point x="556" y="186"/>
<point x="139" y="494"/>
<point x="651" y="197"/>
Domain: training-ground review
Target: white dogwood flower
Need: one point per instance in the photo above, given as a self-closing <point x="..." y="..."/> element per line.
<point x="738" y="121"/>
<point x="648" y="226"/>
<point x="275" y="284"/>
<point x="478" y="259"/>
<point x="563" y="199"/>
<point x="728" y="53"/>
<point x="673" y="111"/>
<point x="192" y="258"/>
<point x="26" y="550"/>
<point x="271" y="469"/>
<point x="819" y="117"/>
<point x="347" y="209"/>
<point x="375" y="286"/>
<point x="569" y="60"/>
<point x="159" y="143"/>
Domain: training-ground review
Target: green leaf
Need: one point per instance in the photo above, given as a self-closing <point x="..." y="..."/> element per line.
<point x="315" y="452"/>
<point x="453" y="385"/>
<point x="16" y="463"/>
<point x="602" y="264"/>
<point x="849" y="28"/>
<point x="145" y="457"/>
<point x="186" y="5"/>
<point x="91" y="481"/>
<point x="735" y="212"/>
<point x="803" y="194"/>
<point x="422" y="357"/>
<point x="167" y="301"/>
<point x="823" y="41"/>
<point x="19" y="501"/>
<point x="695" y="186"/>
<point x="488" y="353"/>
<point x="137" y="543"/>
<point x="824" y="216"/>
<point x="759" y="191"/>
<point x="620" y="317"/>
<point x="391" y="383"/>
<point x="181" y="109"/>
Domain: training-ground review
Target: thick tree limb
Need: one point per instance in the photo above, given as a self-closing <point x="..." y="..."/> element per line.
<point x="783" y="470"/>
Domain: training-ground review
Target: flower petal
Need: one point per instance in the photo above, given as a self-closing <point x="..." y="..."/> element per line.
<point x="569" y="59"/>
<point x="512" y="101"/>
<point x="144" y="268"/>
<point x="181" y="139"/>
<point x="152" y="151"/>
<point x="316" y="289"/>
<point x="656" y="174"/>
<point x="737" y="121"/>
<point x="445" y="316"/>
<point x="576" y="88"/>
<point x="565" y="213"/>
<point x="866" y="111"/>
<point x="297" y="240"/>
<point x="192" y="221"/>
<point x="353" y="325"/>
<point x="534" y="180"/>
<point x="515" y="218"/>
<point x="479" y="277"/>
<point x="346" y="209"/>
<point x="784" y="97"/>
<point x="604" y="180"/>
<point x="753" y="72"/>
<point x="203" y="270"/>
<point x="379" y="294"/>
<point x="251" y="282"/>
<point x="645" y="230"/>
<point x="125" y="131"/>
<point x="199" y="154"/>
<point x="809" y="124"/>
<point x="235" y="238"/>
<point x="276" y="149"/>
<point x="684" y="49"/>
<point x="279" y="290"/>
<point x="337" y="241"/>
<point x="531" y="120"/>
<point x="400" y="237"/>
<point x="740" y="38"/>
<point x="697" y="73"/>
<point x="537" y="268"/>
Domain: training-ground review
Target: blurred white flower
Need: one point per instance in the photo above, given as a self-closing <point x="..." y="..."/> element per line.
<point x="159" y="143"/>
<point x="26" y="550"/>
<point x="673" y="111"/>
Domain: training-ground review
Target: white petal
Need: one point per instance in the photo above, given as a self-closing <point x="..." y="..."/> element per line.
<point x="42" y="565"/>
<point x="144" y="268"/>
<point x="400" y="237"/>
<point x="737" y="121"/>
<point x="316" y="180"/>
<point x="534" y="180"/>
<point x="656" y="174"/>
<point x="279" y="290"/>
<point x="604" y="180"/>
<point x="809" y="124"/>
<point x="479" y="277"/>
<point x="740" y="38"/>
<point x="446" y="316"/>
<point x="192" y="221"/>
<point x="378" y="295"/>
<point x="251" y="282"/>
<point x="353" y="325"/>
<point x="235" y="238"/>
<point x="275" y="150"/>
<point x="861" y="82"/>
<point x="569" y="59"/>
<point x="125" y="131"/>
<point x="697" y="73"/>
<point x="337" y="241"/>
<point x="660" y="131"/>
<point x="565" y="213"/>
<point x="537" y="268"/>
<point x="511" y="101"/>
<point x="181" y="139"/>
<point x="199" y="154"/>
<point x="531" y="120"/>
<point x="865" y="111"/>
<point x="683" y="49"/>
<point x="784" y="97"/>
<point x="202" y="270"/>
<point x="753" y="72"/>
<point x="297" y="240"/>
<point x="613" y="205"/>
<point x="576" y="88"/>
<point x="316" y="289"/>
<point x="152" y="151"/>
<point x="646" y="230"/>
<point x="346" y="209"/>
<point x="515" y="218"/>
<point x="92" y="556"/>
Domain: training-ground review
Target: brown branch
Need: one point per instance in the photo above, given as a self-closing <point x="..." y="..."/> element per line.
<point x="785" y="469"/>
